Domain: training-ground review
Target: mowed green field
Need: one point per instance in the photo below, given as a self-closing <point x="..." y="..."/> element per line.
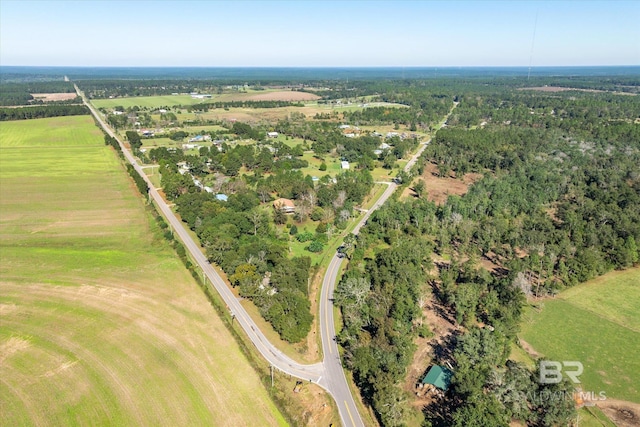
<point x="597" y="324"/>
<point x="147" y="101"/>
<point x="100" y="322"/>
<point x="173" y="100"/>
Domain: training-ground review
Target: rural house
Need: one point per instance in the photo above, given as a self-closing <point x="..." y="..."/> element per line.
<point x="439" y="377"/>
<point x="285" y="205"/>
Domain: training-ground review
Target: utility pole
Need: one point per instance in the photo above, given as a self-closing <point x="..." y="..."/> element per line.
<point x="271" y="366"/>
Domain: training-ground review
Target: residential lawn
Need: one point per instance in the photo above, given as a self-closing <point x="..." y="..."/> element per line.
<point x="290" y="141"/>
<point x="101" y="323"/>
<point x="162" y="142"/>
<point x="199" y="130"/>
<point x="596" y="324"/>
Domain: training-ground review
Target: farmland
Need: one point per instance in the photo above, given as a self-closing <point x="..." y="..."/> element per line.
<point x="184" y="99"/>
<point x="596" y="323"/>
<point x="101" y="323"/>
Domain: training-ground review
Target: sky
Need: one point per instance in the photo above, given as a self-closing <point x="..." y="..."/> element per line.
<point x="299" y="33"/>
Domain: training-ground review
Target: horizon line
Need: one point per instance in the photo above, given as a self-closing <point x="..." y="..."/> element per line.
<point x="323" y="66"/>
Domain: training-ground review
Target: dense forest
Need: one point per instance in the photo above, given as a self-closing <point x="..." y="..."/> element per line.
<point x="557" y="205"/>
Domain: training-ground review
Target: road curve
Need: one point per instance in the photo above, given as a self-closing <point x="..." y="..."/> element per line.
<point x="279" y="360"/>
<point x="332" y="363"/>
<point x="328" y="374"/>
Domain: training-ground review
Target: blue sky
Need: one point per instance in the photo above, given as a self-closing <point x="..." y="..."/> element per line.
<point x="319" y="33"/>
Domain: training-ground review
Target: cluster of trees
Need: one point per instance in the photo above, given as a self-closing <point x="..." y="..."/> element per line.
<point x="486" y="396"/>
<point x="254" y="158"/>
<point x="134" y="139"/>
<point x="245" y="130"/>
<point x="40" y="112"/>
<point x="326" y="138"/>
<point x="239" y="234"/>
<point x="110" y="141"/>
<point x="379" y="302"/>
<point x="238" y="237"/>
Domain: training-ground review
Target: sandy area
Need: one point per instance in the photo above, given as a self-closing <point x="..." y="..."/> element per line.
<point x="438" y="189"/>
<point x="285" y="95"/>
<point x="622" y="413"/>
<point x="49" y="97"/>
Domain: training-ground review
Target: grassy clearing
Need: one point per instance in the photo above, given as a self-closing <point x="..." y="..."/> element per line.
<point x="146" y="101"/>
<point x="101" y="324"/>
<point x="173" y="100"/>
<point x="597" y="327"/>
<point x="521" y="356"/>
<point x="619" y="304"/>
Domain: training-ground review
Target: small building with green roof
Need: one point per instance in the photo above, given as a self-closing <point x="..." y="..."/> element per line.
<point x="439" y="377"/>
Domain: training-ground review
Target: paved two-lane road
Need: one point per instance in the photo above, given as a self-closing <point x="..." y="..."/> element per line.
<point x="332" y="363"/>
<point x="329" y="374"/>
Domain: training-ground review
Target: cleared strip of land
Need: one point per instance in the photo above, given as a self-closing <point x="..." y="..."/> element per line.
<point x="101" y="324"/>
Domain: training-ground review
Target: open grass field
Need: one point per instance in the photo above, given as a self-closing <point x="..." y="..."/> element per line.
<point x="249" y="115"/>
<point x="595" y="323"/>
<point x="101" y="323"/>
<point x="146" y="101"/>
<point x="185" y="99"/>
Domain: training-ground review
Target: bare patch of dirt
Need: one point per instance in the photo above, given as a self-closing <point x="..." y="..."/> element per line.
<point x="51" y="97"/>
<point x="549" y="88"/>
<point x="313" y="404"/>
<point x="11" y="346"/>
<point x="284" y="95"/>
<point x="436" y="346"/>
<point x="489" y="265"/>
<point x="622" y="413"/>
<point x="438" y="188"/>
<point x="6" y="309"/>
<point x="553" y="214"/>
<point x="564" y="89"/>
<point x="529" y="349"/>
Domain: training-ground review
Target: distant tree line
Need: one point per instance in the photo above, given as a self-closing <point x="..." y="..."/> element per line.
<point x="206" y="106"/>
<point x="39" y="112"/>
